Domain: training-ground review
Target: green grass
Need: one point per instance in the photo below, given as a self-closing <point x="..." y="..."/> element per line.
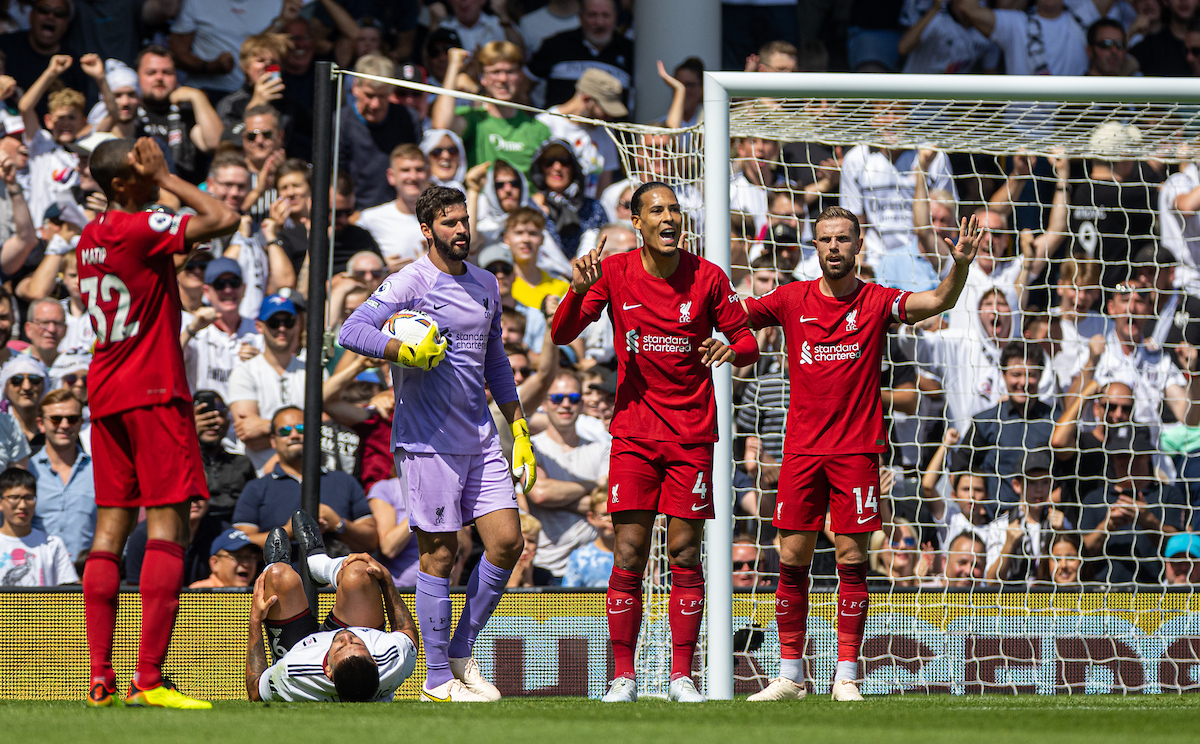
<point x="1089" y="719"/>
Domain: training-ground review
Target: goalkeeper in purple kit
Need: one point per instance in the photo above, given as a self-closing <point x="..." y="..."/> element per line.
<point x="447" y="450"/>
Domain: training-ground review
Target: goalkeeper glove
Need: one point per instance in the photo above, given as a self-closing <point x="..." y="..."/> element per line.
<point x="523" y="462"/>
<point x="425" y="354"/>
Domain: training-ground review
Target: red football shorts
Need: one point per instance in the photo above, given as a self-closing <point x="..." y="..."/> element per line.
<point x="847" y="486"/>
<point x="148" y="457"/>
<point x="665" y="477"/>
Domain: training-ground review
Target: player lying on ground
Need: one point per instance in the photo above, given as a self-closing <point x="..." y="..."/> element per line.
<point x="665" y="304"/>
<point x="349" y="658"/>
<point x="447" y="451"/>
<point x="835" y="328"/>
<point x="144" y="446"/>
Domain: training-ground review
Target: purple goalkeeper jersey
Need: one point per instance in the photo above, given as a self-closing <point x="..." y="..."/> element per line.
<point x="443" y="410"/>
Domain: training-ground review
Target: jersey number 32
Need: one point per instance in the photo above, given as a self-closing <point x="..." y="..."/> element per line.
<point x="101" y="289"/>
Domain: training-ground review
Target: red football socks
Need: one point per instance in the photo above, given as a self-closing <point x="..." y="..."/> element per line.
<point x="791" y="610"/>
<point x="162" y="577"/>
<point x="852" y="610"/>
<point x="624" y="618"/>
<point x="686" y="613"/>
<point x="101" y="582"/>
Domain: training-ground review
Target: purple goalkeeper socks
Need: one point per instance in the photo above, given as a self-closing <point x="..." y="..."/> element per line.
<point x="433" y="614"/>
<point x="484" y="589"/>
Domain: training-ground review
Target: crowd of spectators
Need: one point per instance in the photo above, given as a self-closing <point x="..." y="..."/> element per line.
<point x="1043" y="433"/>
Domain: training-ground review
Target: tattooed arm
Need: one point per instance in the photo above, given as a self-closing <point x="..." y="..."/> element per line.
<point x="256" y="652"/>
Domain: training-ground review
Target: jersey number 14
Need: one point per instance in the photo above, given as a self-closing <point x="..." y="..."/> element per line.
<point x="101" y="289"/>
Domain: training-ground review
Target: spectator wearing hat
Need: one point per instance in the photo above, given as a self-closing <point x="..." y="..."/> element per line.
<point x="179" y="115"/>
<point x="416" y="101"/>
<point x="555" y="17"/>
<point x="598" y="95"/>
<point x="562" y="59"/>
<point x="371" y="130"/>
<point x="1125" y="522"/>
<point x="561" y="183"/>
<point x="1182" y="560"/>
<point x="394" y="224"/>
<point x="66" y="489"/>
<point x="24" y="380"/>
<point x="234" y="561"/>
<point x="218" y="337"/>
<point x="495" y="131"/>
<point x="70" y="372"/>
<point x="191" y="281"/>
<point x="28" y="556"/>
<point x="1018" y="540"/>
<point x="269" y="381"/>
<point x="117" y="109"/>
<point x="436" y="55"/>
<point x="270" y="501"/>
<point x="227" y="473"/>
<point x="447" y="161"/>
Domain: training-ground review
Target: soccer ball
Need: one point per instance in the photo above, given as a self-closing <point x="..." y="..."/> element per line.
<point x="410" y="327"/>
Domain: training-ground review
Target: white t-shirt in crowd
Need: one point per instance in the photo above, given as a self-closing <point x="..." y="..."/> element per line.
<point x="1004" y="276"/>
<point x="398" y="234"/>
<point x="1181" y="230"/>
<point x="52" y="173"/>
<point x="257" y="380"/>
<point x="37" y="559"/>
<point x="882" y="191"/>
<point x="948" y="47"/>
<point x="541" y="24"/>
<point x="80" y="333"/>
<point x="486" y="29"/>
<point x="300" y="675"/>
<point x="221" y="26"/>
<point x="212" y="354"/>
<point x="1073" y="349"/>
<point x="564" y="530"/>
<point x="252" y="260"/>
<point x="1063" y="39"/>
<point x="1147" y="373"/>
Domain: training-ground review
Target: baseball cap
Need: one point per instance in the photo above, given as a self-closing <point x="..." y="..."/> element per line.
<point x="608" y="381"/>
<point x="87" y="145"/>
<point x="604" y="89"/>
<point x="1133" y="439"/>
<point x="272" y="304"/>
<point x="1038" y="460"/>
<point x="70" y="361"/>
<point x="412" y="73"/>
<point x="1112" y="138"/>
<point x="496" y="252"/>
<point x="1187" y="544"/>
<point x="230" y="540"/>
<point x="219" y="266"/>
<point x="443" y="35"/>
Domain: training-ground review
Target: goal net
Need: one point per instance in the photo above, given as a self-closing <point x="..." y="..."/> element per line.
<point x="1085" y="582"/>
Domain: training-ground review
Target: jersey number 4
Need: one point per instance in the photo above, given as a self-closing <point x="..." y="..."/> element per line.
<point x="101" y="289"/>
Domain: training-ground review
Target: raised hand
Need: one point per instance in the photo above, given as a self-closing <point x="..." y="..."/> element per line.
<point x="667" y="78"/>
<point x="8" y="86"/>
<point x="585" y="270"/>
<point x="925" y="158"/>
<point x="92" y="66"/>
<point x="148" y="161"/>
<point x="59" y="64"/>
<point x="970" y="235"/>
<point x="260" y="603"/>
<point x="476" y="177"/>
<point x="950" y="438"/>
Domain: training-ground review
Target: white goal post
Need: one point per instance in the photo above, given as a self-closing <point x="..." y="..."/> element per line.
<point x="719" y="89"/>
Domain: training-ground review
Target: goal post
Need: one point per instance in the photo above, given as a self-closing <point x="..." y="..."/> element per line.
<point x="1025" y="133"/>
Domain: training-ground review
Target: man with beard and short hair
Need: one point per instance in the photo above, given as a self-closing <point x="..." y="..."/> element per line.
<point x="446" y="446"/>
<point x="180" y="116"/>
<point x="835" y="328"/>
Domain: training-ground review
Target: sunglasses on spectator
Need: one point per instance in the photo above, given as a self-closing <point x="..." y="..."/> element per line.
<point x="364" y="273"/>
<point x="74" y="379"/>
<point x="281" y="320"/>
<point x="1109" y="44"/>
<point x="558" y="398"/>
<point x="523" y="371"/>
<point x="560" y="159"/>
<point x="230" y="283"/>
<point x="71" y="419"/>
<point x="437" y="152"/>
<point x="499" y="267"/>
<point x="254" y="134"/>
<point x="1118" y="407"/>
<point x="745" y="565"/>
<point x="508" y="183"/>
<point x="56" y="12"/>
<point x="197" y="267"/>
<point x="907" y="542"/>
<point x="19" y="380"/>
<point x="286" y="431"/>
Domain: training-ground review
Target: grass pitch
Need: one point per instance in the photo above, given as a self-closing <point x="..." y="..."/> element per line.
<point x="1091" y="719"/>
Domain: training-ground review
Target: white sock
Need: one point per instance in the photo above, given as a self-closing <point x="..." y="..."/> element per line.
<point x="325" y="569"/>
<point x="846" y="670"/>
<point x="792" y="669"/>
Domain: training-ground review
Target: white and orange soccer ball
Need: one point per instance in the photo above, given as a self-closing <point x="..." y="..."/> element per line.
<point x="411" y="327"/>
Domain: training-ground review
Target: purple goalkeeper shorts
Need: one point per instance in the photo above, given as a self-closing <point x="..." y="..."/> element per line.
<point x="444" y="492"/>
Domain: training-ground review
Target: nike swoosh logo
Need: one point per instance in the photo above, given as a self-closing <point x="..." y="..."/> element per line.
<point x="618" y="612"/>
<point x="699" y="508"/>
<point x="434" y="698"/>
<point x="693" y="612"/>
<point x="804" y="319"/>
<point x="439" y="307"/>
<point x="627" y="306"/>
<point x="864" y="520"/>
<point x="847" y="614"/>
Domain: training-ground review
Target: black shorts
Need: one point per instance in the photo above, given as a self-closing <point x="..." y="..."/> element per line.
<point x="283" y="634"/>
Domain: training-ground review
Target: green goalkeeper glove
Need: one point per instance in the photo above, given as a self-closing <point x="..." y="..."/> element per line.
<point x="523" y="462"/>
<point x="425" y="354"/>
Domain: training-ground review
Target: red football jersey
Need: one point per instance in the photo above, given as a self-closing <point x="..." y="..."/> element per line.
<point x="664" y="391"/>
<point x="127" y="282"/>
<point x="835" y="354"/>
